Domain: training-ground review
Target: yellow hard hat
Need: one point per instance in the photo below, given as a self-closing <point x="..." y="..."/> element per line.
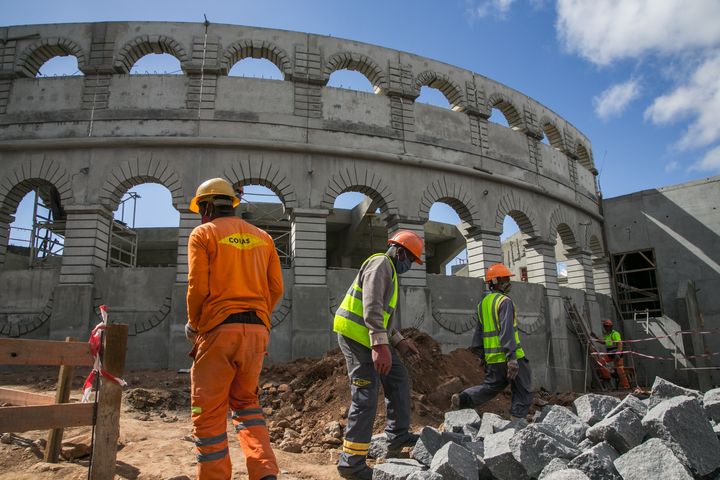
<point x="211" y="188"/>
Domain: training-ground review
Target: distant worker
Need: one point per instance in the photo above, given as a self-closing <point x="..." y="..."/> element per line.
<point x="613" y="344"/>
<point x="497" y="344"/>
<point x="365" y="331"/>
<point x="234" y="282"/>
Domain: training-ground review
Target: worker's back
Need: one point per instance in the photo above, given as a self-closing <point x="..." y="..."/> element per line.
<point x="234" y="268"/>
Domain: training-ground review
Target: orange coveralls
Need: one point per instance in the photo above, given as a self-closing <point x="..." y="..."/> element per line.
<point x="233" y="268"/>
<point x="613" y="343"/>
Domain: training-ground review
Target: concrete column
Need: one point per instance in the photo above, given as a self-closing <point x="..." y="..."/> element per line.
<point x="5" y="221"/>
<point x="580" y="274"/>
<point x="483" y="247"/>
<point x="416" y="277"/>
<point x="541" y="265"/>
<point x="602" y="275"/>
<point x="188" y="221"/>
<point x="87" y="233"/>
<point x="308" y="242"/>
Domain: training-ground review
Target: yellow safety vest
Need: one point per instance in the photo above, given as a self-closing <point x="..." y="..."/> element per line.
<point x="488" y="316"/>
<point x="612" y="339"/>
<point x="349" y="319"/>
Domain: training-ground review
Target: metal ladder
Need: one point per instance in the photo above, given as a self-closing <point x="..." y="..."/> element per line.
<point x="582" y="332"/>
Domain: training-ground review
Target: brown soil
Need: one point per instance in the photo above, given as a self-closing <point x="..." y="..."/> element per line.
<point x="305" y="401"/>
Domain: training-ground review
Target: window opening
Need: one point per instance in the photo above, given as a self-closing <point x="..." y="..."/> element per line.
<point x="636" y="284"/>
<point x="261" y="207"/>
<point x="42" y="242"/>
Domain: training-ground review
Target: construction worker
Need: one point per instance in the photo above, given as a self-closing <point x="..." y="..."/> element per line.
<point x="613" y="343"/>
<point x="234" y="282"/>
<point x="497" y="344"/>
<point x="364" y="324"/>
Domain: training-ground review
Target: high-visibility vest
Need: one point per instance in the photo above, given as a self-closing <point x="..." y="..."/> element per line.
<point x="349" y="319"/>
<point x="611" y="340"/>
<point x="488" y="316"/>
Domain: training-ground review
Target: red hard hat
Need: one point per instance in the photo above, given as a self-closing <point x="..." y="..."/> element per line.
<point x="497" y="270"/>
<point x="607" y="323"/>
<point x="409" y="240"/>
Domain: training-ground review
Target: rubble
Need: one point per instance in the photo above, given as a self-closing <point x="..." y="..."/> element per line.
<point x="555" y="465"/>
<point x="565" y="422"/>
<point x="535" y="446"/>
<point x="592" y="408"/>
<point x="454" y="462"/>
<point x="568" y="474"/>
<point x="682" y="424"/>
<point x="460" y="421"/>
<point x="427" y="445"/>
<point x="491" y="423"/>
<point x="664" y="390"/>
<point x="630" y="402"/>
<point x="651" y="460"/>
<point x="393" y="471"/>
<point x="499" y="457"/>
<point x="711" y="404"/>
<point x="623" y="431"/>
<point x="597" y="462"/>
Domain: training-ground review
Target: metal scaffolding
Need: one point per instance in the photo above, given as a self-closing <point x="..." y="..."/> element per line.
<point x="44" y="241"/>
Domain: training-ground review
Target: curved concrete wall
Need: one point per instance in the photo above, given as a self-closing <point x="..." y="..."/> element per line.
<point x="89" y="139"/>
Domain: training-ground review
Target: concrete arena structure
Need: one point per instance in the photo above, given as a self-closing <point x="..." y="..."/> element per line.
<point x="84" y="141"/>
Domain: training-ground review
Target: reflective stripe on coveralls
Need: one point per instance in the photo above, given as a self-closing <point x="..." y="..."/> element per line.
<point x="349" y="319"/>
<point x="488" y="316"/>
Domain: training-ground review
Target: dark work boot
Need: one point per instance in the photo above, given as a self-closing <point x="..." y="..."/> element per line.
<point x="460" y="400"/>
<point x="365" y="474"/>
<point x="395" y="449"/>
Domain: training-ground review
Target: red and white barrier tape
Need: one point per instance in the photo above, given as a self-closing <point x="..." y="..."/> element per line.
<point x="95" y="342"/>
<point x="655" y="357"/>
<point x="681" y="332"/>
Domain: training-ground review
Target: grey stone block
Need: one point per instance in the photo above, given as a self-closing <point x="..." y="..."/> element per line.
<point x="623" y="431"/>
<point x="565" y="422"/>
<point x="682" y="424"/>
<point x="409" y="462"/>
<point x="630" y="402"/>
<point x="651" y="460"/>
<point x="425" y="475"/>
<point x="393" y="471"/>
<point x="378" y="446"/>
<point x="456" y="421"/>
<point x="459" y="438"/>
<point x="554" y="465"/>
<point x="585" y="444"/>
<point x="478" y="449"/>
<point x="499" y="458"/>
<point x="711" y="404"/>
<point x="597" y="462"/>
<point x="664" y="390"/>
<point x="454" y="462"/>
<point x="592" y="408"/>
<point x="568" y="474"/>
<point x="537" y="444"/>
<point x="427" y="445"/>
<point x="491" y="423"/>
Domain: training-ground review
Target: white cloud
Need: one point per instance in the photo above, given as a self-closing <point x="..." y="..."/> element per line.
<point x="672" y="166"/>
<point x="484" y="8"/>
<point x="698" y="97"/>
<point x="614" y="100"/>
<point x="709" y="163"/>
<point x="606" y="30"/>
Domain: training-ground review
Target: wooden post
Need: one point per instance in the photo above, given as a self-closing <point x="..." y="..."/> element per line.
<point x="107" y="428"/>
<point x="62" y="395"/>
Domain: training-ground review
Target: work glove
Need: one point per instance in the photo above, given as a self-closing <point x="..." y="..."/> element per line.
<point x="512" y="369"/>
<point x="408" y="349"/>
<point x="190" y="333"/>
<point x="481" y="361"/>
<point x="382" y="358"/>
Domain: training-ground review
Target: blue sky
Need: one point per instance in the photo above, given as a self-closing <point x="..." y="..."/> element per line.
<point x="640" y="78"/>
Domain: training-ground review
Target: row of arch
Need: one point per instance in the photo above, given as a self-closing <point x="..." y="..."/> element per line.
<point x="53" y="177"/>
<point x="35" y="55"/>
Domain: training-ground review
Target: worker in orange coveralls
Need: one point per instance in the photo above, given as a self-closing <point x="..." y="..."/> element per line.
<point x="613" y="343"/>
<point x="234" y="282"/>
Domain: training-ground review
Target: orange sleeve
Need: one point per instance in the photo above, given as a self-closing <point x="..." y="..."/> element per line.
<point x="198" y="277"/>
<point x="275" y="280"/>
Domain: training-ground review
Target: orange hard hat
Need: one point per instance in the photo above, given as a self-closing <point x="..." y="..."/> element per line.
<point x="607" y="323"/>
<point x="410" y="241"/>
<point x="211" y="188"/>
<point x="497" y="270"/>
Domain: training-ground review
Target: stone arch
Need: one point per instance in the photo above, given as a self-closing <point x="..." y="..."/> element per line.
<point x="34" y="56"/>
<point x="584" y="156"/>
<point x="135" y="172"/>
<point x="31" y="175"/>
<point x="552" y="132"/>
<point x="560" y="223"/>
<point x="508" y="109"/>
<point x="452" y="194"/>
<point x="358" y="63"/>
<point x="595" y="246"/>
<point x="250" y="171"/>
<point x="138" y="47"/>
<point x="363" y="181"/>
<point x="452" y="92"/>
<point x="257" y="49"/>
<point x="520" y="211"/>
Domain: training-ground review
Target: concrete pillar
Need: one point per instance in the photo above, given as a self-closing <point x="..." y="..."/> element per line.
<point x="416" y="277"/>
<point x="178" y="346"/>
<point x="580" y="274"/>
<point x="483" y="247"/>
<point x="559" y="341"/>
<point x="5" y="221"/>
<point x="601" y="275"/>
<point x="87" y="234"/>
<point x="188" y="221"/>
<point x="308" y="242"/>
<point x="541" y="265"/>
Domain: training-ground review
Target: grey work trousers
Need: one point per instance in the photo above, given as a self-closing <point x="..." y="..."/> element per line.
<point x="496" y="381"/>
<point x="364" y="386"/>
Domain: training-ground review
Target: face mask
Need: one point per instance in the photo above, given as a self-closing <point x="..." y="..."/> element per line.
<point x="403" y="265"/>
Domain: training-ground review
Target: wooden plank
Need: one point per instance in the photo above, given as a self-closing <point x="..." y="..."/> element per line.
<point x="21" y="398"/>
<point x="62" y="395"/>
<point x="15" y="351"/>
<point x="45" y="417"/>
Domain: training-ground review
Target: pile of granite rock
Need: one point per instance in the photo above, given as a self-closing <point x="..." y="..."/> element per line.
<point x="673" y="434"/>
